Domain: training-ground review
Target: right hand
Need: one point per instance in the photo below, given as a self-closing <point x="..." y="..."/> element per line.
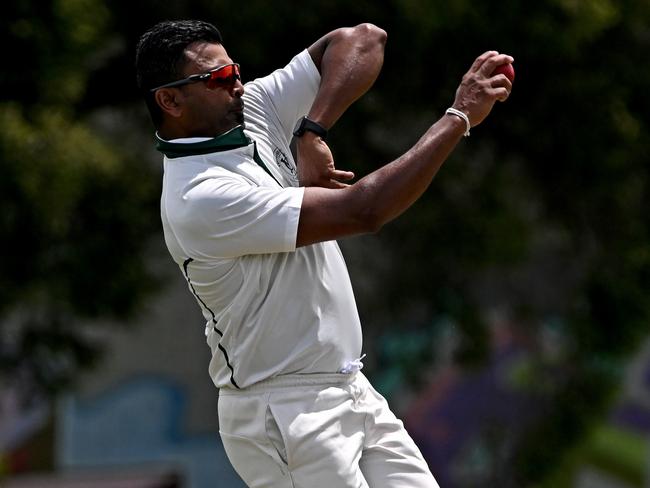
<point x="316" y="164"/>
<point x="478" y="91"/>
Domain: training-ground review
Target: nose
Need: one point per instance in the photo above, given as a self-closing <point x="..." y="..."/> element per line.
<point x="237" y="89"/>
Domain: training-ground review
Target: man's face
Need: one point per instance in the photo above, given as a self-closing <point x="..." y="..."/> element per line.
<point x="209" y="112"/>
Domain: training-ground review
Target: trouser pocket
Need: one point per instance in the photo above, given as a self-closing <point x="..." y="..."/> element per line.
<point x="275" y="436"/>
<point x="257" y="462"/>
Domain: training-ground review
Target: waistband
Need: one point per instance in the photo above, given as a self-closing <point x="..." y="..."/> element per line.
<point x="293" y="381"/>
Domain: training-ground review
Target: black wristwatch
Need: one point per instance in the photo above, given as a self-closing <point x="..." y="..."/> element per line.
<point x="306" y="124"/>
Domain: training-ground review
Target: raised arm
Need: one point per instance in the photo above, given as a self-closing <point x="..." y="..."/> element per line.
<point x="381" y="196"/>
<point x="349" y="60"/>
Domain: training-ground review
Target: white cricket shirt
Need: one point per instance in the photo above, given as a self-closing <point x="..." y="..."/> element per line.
<point x="230" y="207"/>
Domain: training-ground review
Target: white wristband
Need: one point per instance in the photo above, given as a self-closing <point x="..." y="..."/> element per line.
<point x="462" y="115"/>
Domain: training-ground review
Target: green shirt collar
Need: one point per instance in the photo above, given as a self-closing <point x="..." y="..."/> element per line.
<point x="233" y="139"/>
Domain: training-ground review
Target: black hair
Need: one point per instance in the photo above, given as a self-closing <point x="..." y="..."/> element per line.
<point x="160" y="56"/>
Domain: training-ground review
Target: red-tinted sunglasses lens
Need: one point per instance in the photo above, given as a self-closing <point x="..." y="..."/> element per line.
<point x="225" y="76"/>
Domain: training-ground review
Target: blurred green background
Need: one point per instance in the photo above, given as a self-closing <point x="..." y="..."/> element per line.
<point x="530" y="251"/>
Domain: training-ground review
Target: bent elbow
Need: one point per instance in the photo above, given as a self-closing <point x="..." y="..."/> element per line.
<point x="372" y="34"/>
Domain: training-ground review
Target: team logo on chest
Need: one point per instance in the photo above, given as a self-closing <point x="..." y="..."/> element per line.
<point x="284" y="164"/>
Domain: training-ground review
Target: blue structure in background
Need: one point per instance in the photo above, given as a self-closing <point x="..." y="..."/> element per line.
<point x="141" y="422"/>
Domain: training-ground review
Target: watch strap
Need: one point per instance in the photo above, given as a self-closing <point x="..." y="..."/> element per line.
<point x="307" y="124"/>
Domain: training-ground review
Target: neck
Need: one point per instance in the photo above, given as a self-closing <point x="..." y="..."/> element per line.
<point x="170" y="132"/>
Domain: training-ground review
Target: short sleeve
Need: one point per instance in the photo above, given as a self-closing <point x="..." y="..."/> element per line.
<point x="285" y="95"/>
<point x="227" y="216"/>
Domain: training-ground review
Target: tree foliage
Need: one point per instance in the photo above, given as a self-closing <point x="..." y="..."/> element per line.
<point x="76" y="211"/>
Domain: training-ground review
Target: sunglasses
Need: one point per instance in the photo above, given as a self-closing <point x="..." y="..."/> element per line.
<point x="222" y="77"/>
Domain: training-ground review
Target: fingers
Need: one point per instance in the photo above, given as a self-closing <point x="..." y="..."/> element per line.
<point x="316" y="166"/>
<point x="501" y="84"/>
<point x="490" y="64"/>
<point x="336" y="179"/>
<point x="486" y="63"/>
<point x="336" y="185"/>
<point x="341" y="175"/>
<point x="482" y="70"/>
<point x="501" y="87"/>
<point x="500" y="94"/>
<point x="481" y="60"/>
<point x="479" y="90"/>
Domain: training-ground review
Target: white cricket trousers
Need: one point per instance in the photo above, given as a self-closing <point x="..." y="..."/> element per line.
<point x="318" y="431"/>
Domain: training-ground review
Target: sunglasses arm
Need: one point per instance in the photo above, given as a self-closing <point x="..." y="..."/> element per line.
<point x="186" y="81"/>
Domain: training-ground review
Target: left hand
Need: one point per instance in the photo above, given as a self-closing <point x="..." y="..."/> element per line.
<point x="316" y="164"/>
<point x="479" y="90"/>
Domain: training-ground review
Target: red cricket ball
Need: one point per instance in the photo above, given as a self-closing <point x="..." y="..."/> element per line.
<point x="507" y="70"/>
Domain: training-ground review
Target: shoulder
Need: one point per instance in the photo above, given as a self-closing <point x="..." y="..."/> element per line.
<point x="301" y="68"/>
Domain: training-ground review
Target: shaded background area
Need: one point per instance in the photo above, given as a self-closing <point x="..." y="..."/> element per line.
<point x="506" y="315"/>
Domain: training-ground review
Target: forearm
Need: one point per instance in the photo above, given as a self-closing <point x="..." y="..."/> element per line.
<point x="387" y="192"/>
<point x="382" y="195"/>
<point x="349" y="60"/>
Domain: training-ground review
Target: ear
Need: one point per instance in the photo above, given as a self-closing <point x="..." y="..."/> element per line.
<point x="169" y="100"/>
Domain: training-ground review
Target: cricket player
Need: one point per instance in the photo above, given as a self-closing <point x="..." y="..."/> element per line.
<point x="253" y="230"/>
